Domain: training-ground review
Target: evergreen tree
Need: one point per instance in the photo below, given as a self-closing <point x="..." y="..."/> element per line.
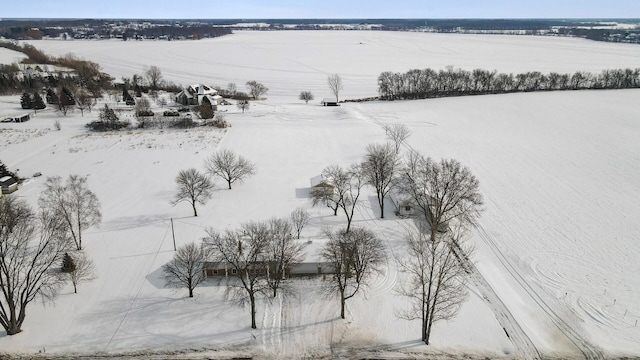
<point x="205" y="110"/>
<point x="52" y="98"/>
<point x="5" y="172"/>
<point x="25" y="101"/>
<point x="37" y="102"/>
<point x="66" y="97"/>
<point x="65" y="100"/>
<point x="68" y="265"/>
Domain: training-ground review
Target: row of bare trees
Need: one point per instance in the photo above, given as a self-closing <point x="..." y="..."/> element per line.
<point x="447" y="198"/>
<point x="35" y="244"/>
<point x="429" y="83"/>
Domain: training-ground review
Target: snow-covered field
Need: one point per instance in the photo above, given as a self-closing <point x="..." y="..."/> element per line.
<point x="557" y="242"/>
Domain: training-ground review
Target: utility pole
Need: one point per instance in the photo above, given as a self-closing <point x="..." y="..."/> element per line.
<point x="173" y="234"/>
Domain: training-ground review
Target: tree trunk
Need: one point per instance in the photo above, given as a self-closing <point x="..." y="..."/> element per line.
<point x="75" y="288"/>
<point x="342" y="304"/>
<point x="229" y="182"/>
<point x="13" y="328"/>
<point x="253" y="311"/>
<point x="195" y="212"/>
<point x="190" y="292"/>
<point x="382" y="208"/>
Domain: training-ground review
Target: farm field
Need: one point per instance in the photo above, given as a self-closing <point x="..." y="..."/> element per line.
<point x="556" y="242"/>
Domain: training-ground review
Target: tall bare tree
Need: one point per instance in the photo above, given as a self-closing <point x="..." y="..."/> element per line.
<point x="256" y="89"/>
<point x="282" y="252"/>
<point x="242" y="253"/>
<point x="31" y="249"/>
<point x="444" y="191"/>
<point x="186" y="267"/>
<point x="193" y="187"/>
<point x="335" y="84"/>
<point x="381" y="167"/>
<point x="83" y="270"/>
<point x="350" y="190"/>
<point x="355" y="256"/>
<point x="154" y="76"/>
<point x="299" y="219"/>
<point x="78" y="206"/>
<point x="433" y="278"/>
<point x="397" y="133"/>
<point x="229" y="166"/>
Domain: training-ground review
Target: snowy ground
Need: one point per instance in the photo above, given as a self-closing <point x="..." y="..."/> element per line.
<point x="557" y="242"/>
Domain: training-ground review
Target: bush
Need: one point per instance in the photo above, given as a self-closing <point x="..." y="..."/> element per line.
<point x="106" y="126"/>
<point x="144" y="113"/>
<point x="183" y="123"/>
<point x="171" y="113"/>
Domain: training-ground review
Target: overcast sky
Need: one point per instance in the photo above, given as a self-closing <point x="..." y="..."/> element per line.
<point x="256" y="9"/>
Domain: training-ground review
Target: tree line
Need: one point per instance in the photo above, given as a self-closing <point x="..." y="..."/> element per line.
<point x="430" y="83"/>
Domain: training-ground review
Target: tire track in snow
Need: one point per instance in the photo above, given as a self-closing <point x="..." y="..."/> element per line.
<point x="587" y="349"/>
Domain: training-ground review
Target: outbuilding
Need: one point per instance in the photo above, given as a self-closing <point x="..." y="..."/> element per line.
<point x="329" y="102"/>
<point x="9" y="184"/>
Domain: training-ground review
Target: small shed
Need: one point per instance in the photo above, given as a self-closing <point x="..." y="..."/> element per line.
<point x="321" y="186"/>
<point x="329" y="102"/>
<point x="22" y="118"/>
<point x="405" y="206"/>
<point x="8" y="184"/>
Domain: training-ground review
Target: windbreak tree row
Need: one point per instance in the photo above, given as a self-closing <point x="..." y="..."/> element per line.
<point x="430" y="83"/>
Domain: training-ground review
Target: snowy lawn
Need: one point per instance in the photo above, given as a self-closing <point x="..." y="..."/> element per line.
<point x="557" y="240"/>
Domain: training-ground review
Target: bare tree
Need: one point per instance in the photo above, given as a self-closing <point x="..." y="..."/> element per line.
<point x="154" y="76"/>
<point x="380" y="168"/>
<point x="194" y="187"/>
<point x="397" y="133"/>
<point x="83" y="270"/>
<point x="433" y="278"/>
<point x="78" y="206"/>
<point x="306" y="96"/>
<point x="243" y="105"/>
<point x="84" y="100"/>
<point x="327" y="193"/>
<point x="443" y="191"/>
<point x="232" y="88"/>
<point x="354" y="256"/>
<point x="31" y="249"/>
<point x="186" y="269"/>
<point x="241" y="253"/>
<point x="142" y="107"/>
<point x="282" y="252"/>
<point x="350" y="189"/>
<point x="256" y="89"/>
<point x="229" y="166"/>
<point x="299" y="218"/>
<point x="335" y="84"/>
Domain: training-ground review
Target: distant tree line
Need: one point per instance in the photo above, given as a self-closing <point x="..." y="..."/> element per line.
<point x="35" y="29"/>
<point x="429" y="83"/>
